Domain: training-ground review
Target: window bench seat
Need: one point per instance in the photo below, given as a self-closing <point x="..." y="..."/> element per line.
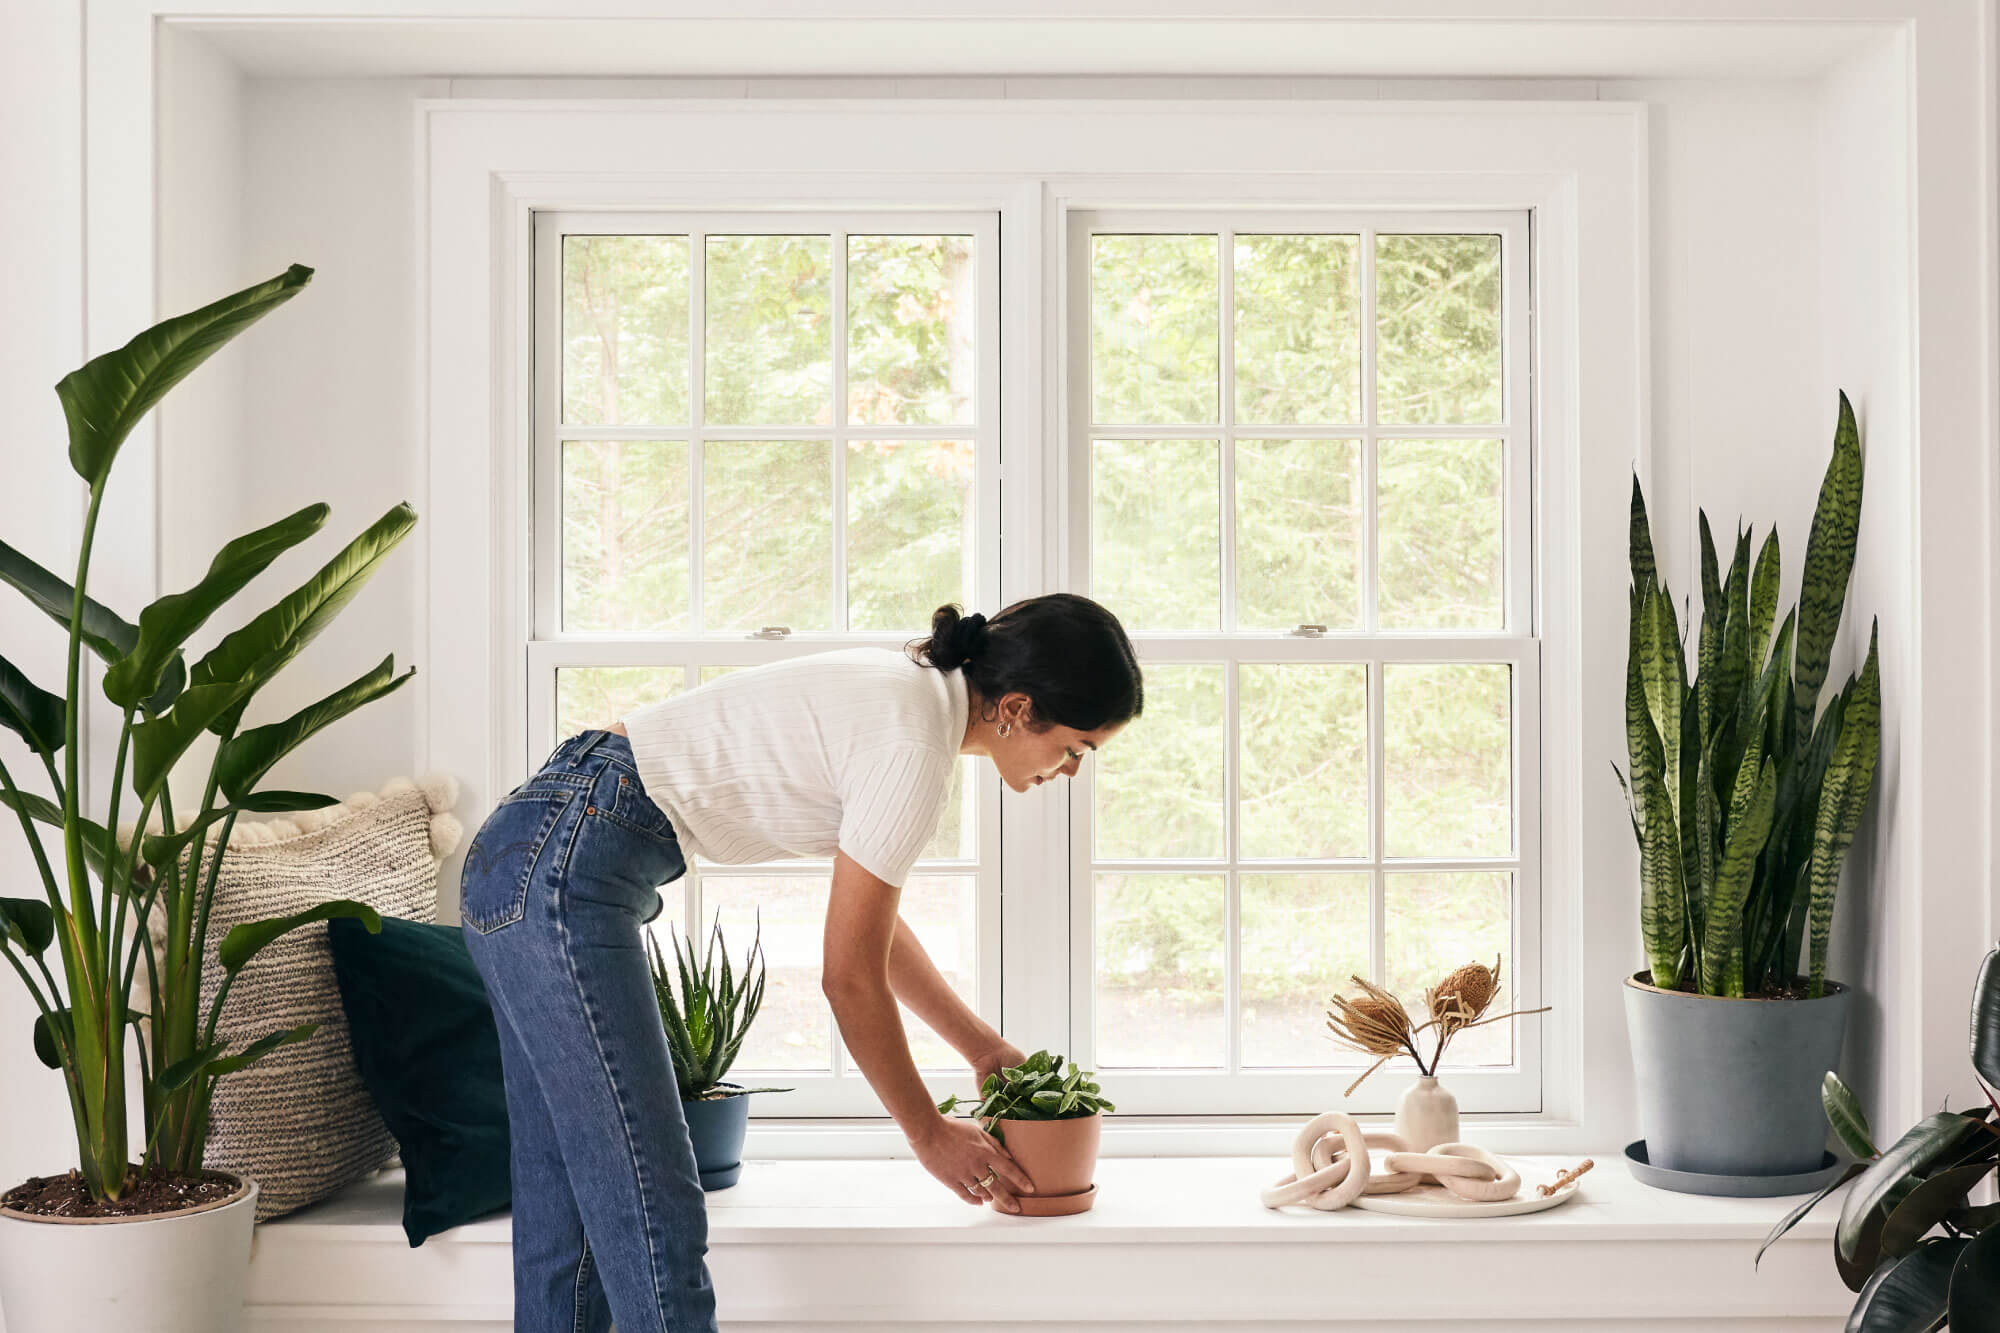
<point x="1172" y="1242"/>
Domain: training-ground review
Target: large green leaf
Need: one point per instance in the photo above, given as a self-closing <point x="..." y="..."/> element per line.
<point x="1764" y="595"/>
<point x="260" y="1048"/>
<point x="1908" y="1295"/>
<point x="255" y="653"/>
<point x="158" y="743"/>
<point x="1975" y="1286"/>
<point x="29" y="711"/>
<point x="1986" y="1020"/>
<point x="1798" y="1214"/>
<point x="103" y="631"/>
<point x="1926" y="1205"/>
<point x="1844" y="1113"/>
<point x="284" y="802"/>
<point x="245" y="759"/>
<point x="183" y="1071"/>
<point x="1850" y="773"/>
<point x="27" y="922"/>
<point x="243" y="942"/>
<point x="48" y="1045"/>
<point x="97" y="845"/>
<point x="1755" y="794"/>
<point x="105" y="398"/>
<point x="1829" y="562"/>
<point x="1925" y="1143"/>
<point x="1708" y="639"/>
<point x="172" y="620"/>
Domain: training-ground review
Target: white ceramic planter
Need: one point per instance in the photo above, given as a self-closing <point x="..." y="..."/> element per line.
<point x="1427" y="1115"/>
<point x="178" y="1273"/>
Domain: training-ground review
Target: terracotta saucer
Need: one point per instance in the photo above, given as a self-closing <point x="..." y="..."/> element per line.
<point x="1055" y="1205"/>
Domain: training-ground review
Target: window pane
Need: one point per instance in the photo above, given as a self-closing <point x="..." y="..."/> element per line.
<point x="1154" y="315"/>
<point x="625" y="330"/>
<point x="1448" y="758"/>
<point x="770" y="331"/>
<point x="909" y="530"/>
<point x="1303" y="937"/>
<point x="595" y="696"/>
<point x="911" y="357"/>
<point x="1437" y="321"/>
<point x="955" y="832"/>
<point x="1298" y="329"/>
<point x="767" y="541"/>
<point x="1437" y="923"/>
<point x="1440" y="505"/>
<point x="1156" y="532"/>
<point x="1299" y="533"/>
<point x="942" y="910"/>
<point x="1159" y="790"/>
<point x="1159" y="973"/>
<point x="793" y="1028"/>
<point x="1304" y="734"/>
<point x="624" y="535"/>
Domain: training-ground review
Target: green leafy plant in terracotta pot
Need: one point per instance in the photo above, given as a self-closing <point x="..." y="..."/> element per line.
<point x="707" y="1009"/>
<point x="1910" y="1240"/>
<point x="1746" y="785"/>
<point x="176" y="1248"/>
<point x="1050" y="1119"/>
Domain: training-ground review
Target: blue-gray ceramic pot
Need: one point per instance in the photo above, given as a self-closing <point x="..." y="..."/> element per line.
<point x="1730" y="1087"/>
<point x="717" y="1125"/>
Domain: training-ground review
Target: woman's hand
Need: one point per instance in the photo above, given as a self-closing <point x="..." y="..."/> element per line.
<point x="961" y="1154"/>
<point x="1003" y="1055"/>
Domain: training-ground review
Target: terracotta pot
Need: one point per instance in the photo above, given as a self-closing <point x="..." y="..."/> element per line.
<point x="1060" y="1156"/>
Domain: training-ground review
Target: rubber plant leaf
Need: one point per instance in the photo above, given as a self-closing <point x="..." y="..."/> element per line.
<point x="1986" y="1020"/>
<point x="1928" y="1141"/>
<point x="1908" y="1294"/>
<point x="1975" y="1286"/>
<point x="1798" y="1214"/>
<point x="1926" y="1205"/>
<point x="1844" y="1113"/>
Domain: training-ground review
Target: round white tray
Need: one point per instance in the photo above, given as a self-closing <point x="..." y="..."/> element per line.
<point x="1432" y="1200"/>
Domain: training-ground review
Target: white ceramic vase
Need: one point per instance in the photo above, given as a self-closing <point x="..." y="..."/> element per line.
<point x="178" y="1273"/>
<point x="1427" y="1115"/>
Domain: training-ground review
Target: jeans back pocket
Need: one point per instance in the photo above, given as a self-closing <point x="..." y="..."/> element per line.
<point x="502" y="860"/>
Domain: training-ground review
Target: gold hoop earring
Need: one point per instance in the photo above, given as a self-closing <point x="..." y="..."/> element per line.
<point x="1006" y="727"/>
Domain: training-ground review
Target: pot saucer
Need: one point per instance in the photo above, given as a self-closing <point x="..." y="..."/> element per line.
<point x="1735" y="1187"/>
<point x="1055" y="1205"/>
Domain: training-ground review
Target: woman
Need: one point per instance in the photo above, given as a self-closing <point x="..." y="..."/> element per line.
<point x="844" y="754"/>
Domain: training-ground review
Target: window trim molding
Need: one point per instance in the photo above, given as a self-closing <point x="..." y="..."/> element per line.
<point x="485" y="168"/>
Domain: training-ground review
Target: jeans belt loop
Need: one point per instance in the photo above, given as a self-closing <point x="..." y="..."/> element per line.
<point x="583" y="750"/>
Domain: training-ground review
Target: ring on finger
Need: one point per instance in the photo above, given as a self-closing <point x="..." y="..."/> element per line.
<point x="986" y="1181"/>
<point x="971" y="1188"/>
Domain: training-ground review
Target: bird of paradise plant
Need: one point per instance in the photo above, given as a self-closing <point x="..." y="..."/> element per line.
<point x="101" y="892"/>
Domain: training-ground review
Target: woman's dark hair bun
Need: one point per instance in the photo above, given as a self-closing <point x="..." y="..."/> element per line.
<point x="1068" y="654"/>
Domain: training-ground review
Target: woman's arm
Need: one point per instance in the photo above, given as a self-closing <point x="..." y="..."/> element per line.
<point x="918" y="984"/>
<point x="861" y="926"/>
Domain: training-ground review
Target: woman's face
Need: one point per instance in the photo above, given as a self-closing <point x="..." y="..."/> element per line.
<point x="1027" y="758"/>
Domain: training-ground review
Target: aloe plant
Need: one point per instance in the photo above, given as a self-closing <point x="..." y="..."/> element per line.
<point x="1036" y="1089"/>
<point x="710" y="1014"/>
<point x="1884" y="1249"/>
<point x="98" y="900"/>
<point x="1744" y="792"/>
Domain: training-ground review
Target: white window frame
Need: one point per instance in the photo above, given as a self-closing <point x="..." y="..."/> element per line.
<point x="1514" y="1088"/>
<point x="1579" y="168"/>
<point x="840" y="1091"/>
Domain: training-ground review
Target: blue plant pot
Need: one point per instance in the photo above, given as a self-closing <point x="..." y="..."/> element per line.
<point x="716" y="1125"/>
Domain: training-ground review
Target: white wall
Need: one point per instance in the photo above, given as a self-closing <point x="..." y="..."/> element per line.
<point x="41" y="505"/>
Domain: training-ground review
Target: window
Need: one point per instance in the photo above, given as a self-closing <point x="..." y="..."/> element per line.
<point x="1296" y="464"/>
<point x="759" y="436"/>
<point x="1298" y="470"/>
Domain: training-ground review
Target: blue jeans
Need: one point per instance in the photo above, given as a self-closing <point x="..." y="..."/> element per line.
<point x="609" y="1222"/>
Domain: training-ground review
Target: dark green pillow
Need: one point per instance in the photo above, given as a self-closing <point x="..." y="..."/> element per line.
<point x="429" y="1054"/>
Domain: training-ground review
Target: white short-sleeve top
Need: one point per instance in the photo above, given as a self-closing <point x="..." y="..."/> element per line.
<point x="849" y="750"/>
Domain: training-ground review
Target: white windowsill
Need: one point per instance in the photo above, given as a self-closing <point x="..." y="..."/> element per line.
<point x="881" y="1243"/>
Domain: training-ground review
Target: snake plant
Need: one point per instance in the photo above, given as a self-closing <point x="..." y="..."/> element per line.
<point x="102" y="890"/>
<point x="1744" y="792"/>
<point x="710" y="1015"/>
